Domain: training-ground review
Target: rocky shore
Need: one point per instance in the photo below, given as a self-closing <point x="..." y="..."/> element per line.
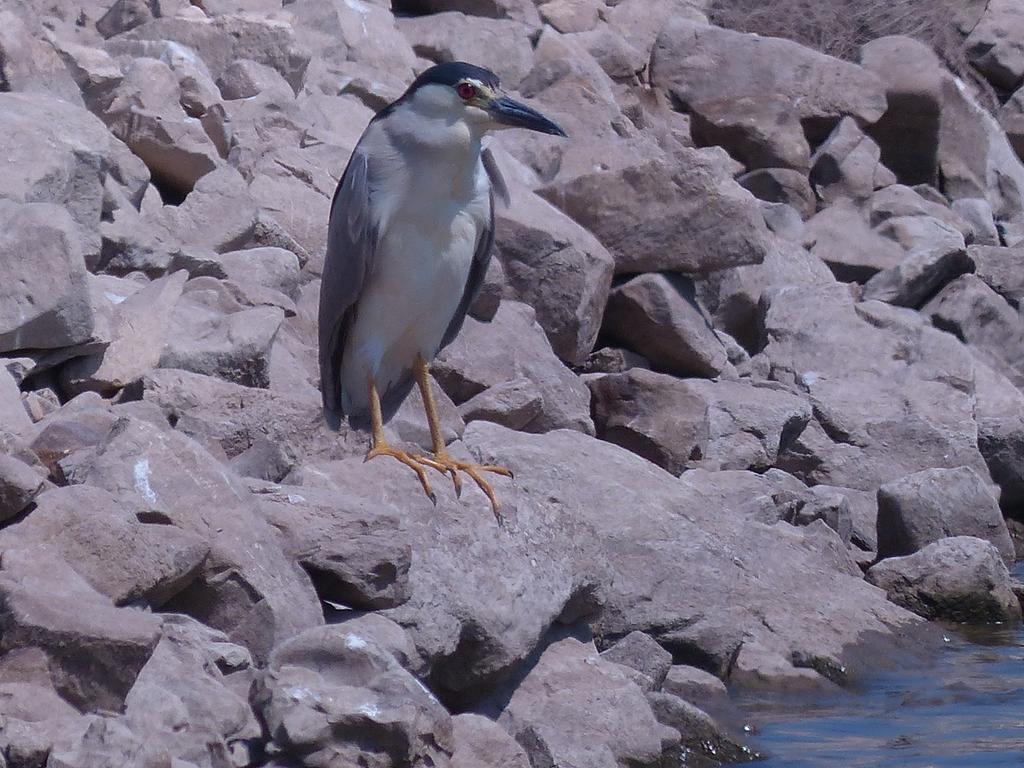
<point x="752" y="344"/>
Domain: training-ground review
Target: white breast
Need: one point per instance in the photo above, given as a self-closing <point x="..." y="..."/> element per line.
<point x="432" y="213"/>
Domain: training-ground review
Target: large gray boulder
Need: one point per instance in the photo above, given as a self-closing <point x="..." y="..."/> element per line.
<point x="756" y="95"/>
<point x="1000" y="269"/>
<point x="61" y="154"/>
<point x="679" y="569"/>
<point x="959" y="579"/>
<point x="908" y="132"/>
<point x="513" y="345"/>
<point x="336" y="697"/>
<point x="984" y="320"/>
<point x="103" y="540"/>
<point x="44" y="297"/>
<point x="558" y="268"/>
<point x="885" y="387"/>
<point x="654" y="415"/>
<point x="658" y="211"/>
<point x="926" y="506"/>
<point x="247" y="586"/>
<point x="658" y="316"/>
<point x="994" y="45"/>
<point x="576" y="708"/>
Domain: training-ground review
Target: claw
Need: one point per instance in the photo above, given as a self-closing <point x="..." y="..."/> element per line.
<point x="455" y="466"/>
<point x="409" y="461"/>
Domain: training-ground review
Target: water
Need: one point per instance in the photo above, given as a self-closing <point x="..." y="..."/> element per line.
<point x="964" y="711"/>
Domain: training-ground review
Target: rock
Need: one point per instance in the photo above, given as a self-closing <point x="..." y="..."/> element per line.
<point x="367" y="34"/>
<point x="784" y="220"/>
<point x="999" y="410"/>
<point x="181" y="702"/>
<point x="922" y="508"/>
<point x="558" y="268"/>
<point x="63" y="155"/>
<point x="781" y="185"/>
<point x="145" y="113"/>
<point x="841" y="238"/>
<point x="245" y="78"/>
<point x="94" y="650"/>
<point x="269" y="267"/>
<point x="700" y="733"/>
<point x="31" y="64"/>
<point x="34" y="717"/>
<point x="887" y="389"/>
<point x="653" y="415"/>
<point x="231" y="418"/>
<point x="694" y="684"/>
<point x="19" y="484"/>
<point x="480" y="599"/>
<point x="227" y="38"/>
<point x="755" y="96"/>
<point x="613" y="360"/>
<point x="919" y="276"/>
<point x="138" y="329"/>
<point x="1011" y="120"/>
<point x="247" y="587"/>
<point x="219" y="213"/>
<point x="574" y="708"/>
<point x="846" y="165"/>
<point x="479" y="741"/>
<point x="519" y="10"/>
<point x="513" y="346"/>
<point x="981" y="318"/>
<point x="513" y="404"/>
<point x="331" y="695"/>
<point x="107" y="544"/>
<point x="355" y="552"/>
<point x="454" y="36"/>
<point x="658" y="316"/>
<point x="958" y="579"/>
<point x="734" y="297"/>
<point x="655" y="212"/>
<point x="908" y="132"/>
<point x="234" y="346"/>
<point x="14" y="417"/>
<point x="975" y="155"/>
<point x="45" y="298"/>
<point x="977" y="213"/>
<point x="640" y="652"/>
<point x="896" y="203"/>
<point x="994" y="44"/>
<point x="999" y="269"/>
<point x="749" y="424"/>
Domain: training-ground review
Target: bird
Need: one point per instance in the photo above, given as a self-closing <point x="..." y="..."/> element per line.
<point x="409" y="239"/>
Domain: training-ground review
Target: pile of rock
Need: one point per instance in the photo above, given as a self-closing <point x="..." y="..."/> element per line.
<point x="755" y="328"/>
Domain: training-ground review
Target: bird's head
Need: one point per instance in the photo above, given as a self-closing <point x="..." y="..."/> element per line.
<point x="457" y="91"/>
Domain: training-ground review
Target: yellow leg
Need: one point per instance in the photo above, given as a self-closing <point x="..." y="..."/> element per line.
<point x="442" y="460"/>
<point x="380" y="446"/>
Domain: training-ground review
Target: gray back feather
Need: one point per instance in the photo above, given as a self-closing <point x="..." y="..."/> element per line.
<point x="351" y="241"/>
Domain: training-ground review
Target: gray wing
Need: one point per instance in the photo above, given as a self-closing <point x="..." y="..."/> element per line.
<point x="482" y="255"/>
<point x="351" y="242"/>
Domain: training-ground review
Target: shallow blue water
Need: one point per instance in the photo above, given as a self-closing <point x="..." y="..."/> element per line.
<point x="964" y="710"/>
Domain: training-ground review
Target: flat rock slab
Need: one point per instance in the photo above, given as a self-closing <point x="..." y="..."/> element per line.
<point x="679" y="570"/>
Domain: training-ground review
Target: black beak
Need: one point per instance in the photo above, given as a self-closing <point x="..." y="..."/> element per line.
<point x="511" y="112"/>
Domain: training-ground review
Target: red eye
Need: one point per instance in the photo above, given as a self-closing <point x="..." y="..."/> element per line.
<point x="466" y="90"/>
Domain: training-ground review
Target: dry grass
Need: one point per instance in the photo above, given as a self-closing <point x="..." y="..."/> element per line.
<point x="840" y="27"/>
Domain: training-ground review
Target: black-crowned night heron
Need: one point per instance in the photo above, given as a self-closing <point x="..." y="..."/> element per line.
<point x="409" y="240"/>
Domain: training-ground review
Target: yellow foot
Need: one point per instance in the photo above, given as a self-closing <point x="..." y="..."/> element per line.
<point x="410" y="461"/>
<point x="445" y="463"/>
